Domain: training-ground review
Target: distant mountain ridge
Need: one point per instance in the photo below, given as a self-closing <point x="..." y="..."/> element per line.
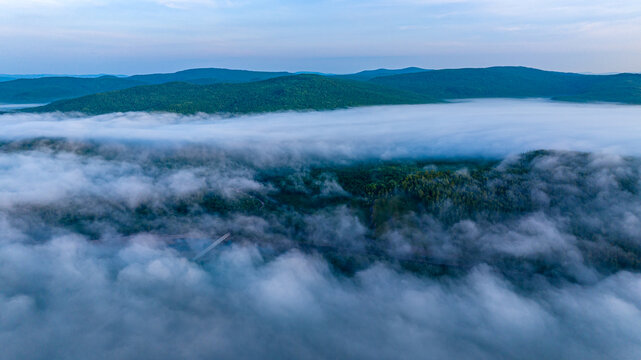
<point x="44" y="89"/>
<point x="371" y="74"/>
<point x="48" y="89"/>
<point x="517" y="82"/>
<point x="195" y="90"/>
<point x="9" y="77"/>
<point x="489" y="82"/>
<point x="208" y="76"/>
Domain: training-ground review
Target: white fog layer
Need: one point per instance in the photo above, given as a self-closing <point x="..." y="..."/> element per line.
<point x="505" y="253"/>
<point x="471" y="128"/>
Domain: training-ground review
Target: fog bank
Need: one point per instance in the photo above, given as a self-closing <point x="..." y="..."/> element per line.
<point x="430" y="254"/>
<point x="473" y="128"/>
<point x="145" y="302"/>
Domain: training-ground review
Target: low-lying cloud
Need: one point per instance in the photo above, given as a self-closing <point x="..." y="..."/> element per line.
<point x="144" y="301"/>
<point x="475" y="128"/>
<point x="100" y="217"/>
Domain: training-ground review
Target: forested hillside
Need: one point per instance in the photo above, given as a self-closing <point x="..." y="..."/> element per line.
<point x="237" y="91"/>
<point x="299" y="92"/>
<point x="43" y="90"/>
<point x="518" y="82"/>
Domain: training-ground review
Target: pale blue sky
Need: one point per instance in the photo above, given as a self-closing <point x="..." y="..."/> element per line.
<point x="139" y="36"/>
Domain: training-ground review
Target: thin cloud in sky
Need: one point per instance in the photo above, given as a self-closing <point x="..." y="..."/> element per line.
<point x="324" y="35"/>
<point x="188" y="4"/>
<point x="40" y="4"/>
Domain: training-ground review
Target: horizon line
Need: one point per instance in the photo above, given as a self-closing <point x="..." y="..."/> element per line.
<point x="96" y="75"/>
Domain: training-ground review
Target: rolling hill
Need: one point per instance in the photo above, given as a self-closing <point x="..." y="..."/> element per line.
<point x="488" y="82"/>
<point x="47" y="89"/>
<point x="42" y="90"/>
<point x="297" y="92"/>
<point x="16" y="89"/>
<point x="621" y="88"/>
<point x="517" y="82"/>
<point x="238" y="91"/>
<point x="208" y="76"/>
<point x="7" y="77"/>
<point x="371" y="74"/>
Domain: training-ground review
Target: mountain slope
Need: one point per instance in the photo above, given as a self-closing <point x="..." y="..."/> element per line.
<point x="488" y="82"/>
<point x="621" y="88"/>
<point x="299" y="92"/>
<point x="405" y="86"/>
<point x="47" y="89"/>
<point x="371" y="74"/>
<point x="208" y="76"/>
<point x="518" y="82"/>
<point x="43" y="89"/>
<point x="23" y="91"/>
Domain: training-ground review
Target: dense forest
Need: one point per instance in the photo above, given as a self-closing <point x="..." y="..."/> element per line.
<point x="300" y="92"/>
<point x="518" y="82"/>
<point x="358" y="213"/>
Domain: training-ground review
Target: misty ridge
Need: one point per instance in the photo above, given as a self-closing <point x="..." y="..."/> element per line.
<point x="496" y="229"/>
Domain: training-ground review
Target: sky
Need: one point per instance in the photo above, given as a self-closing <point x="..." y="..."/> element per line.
<point x="338" y="36"/>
